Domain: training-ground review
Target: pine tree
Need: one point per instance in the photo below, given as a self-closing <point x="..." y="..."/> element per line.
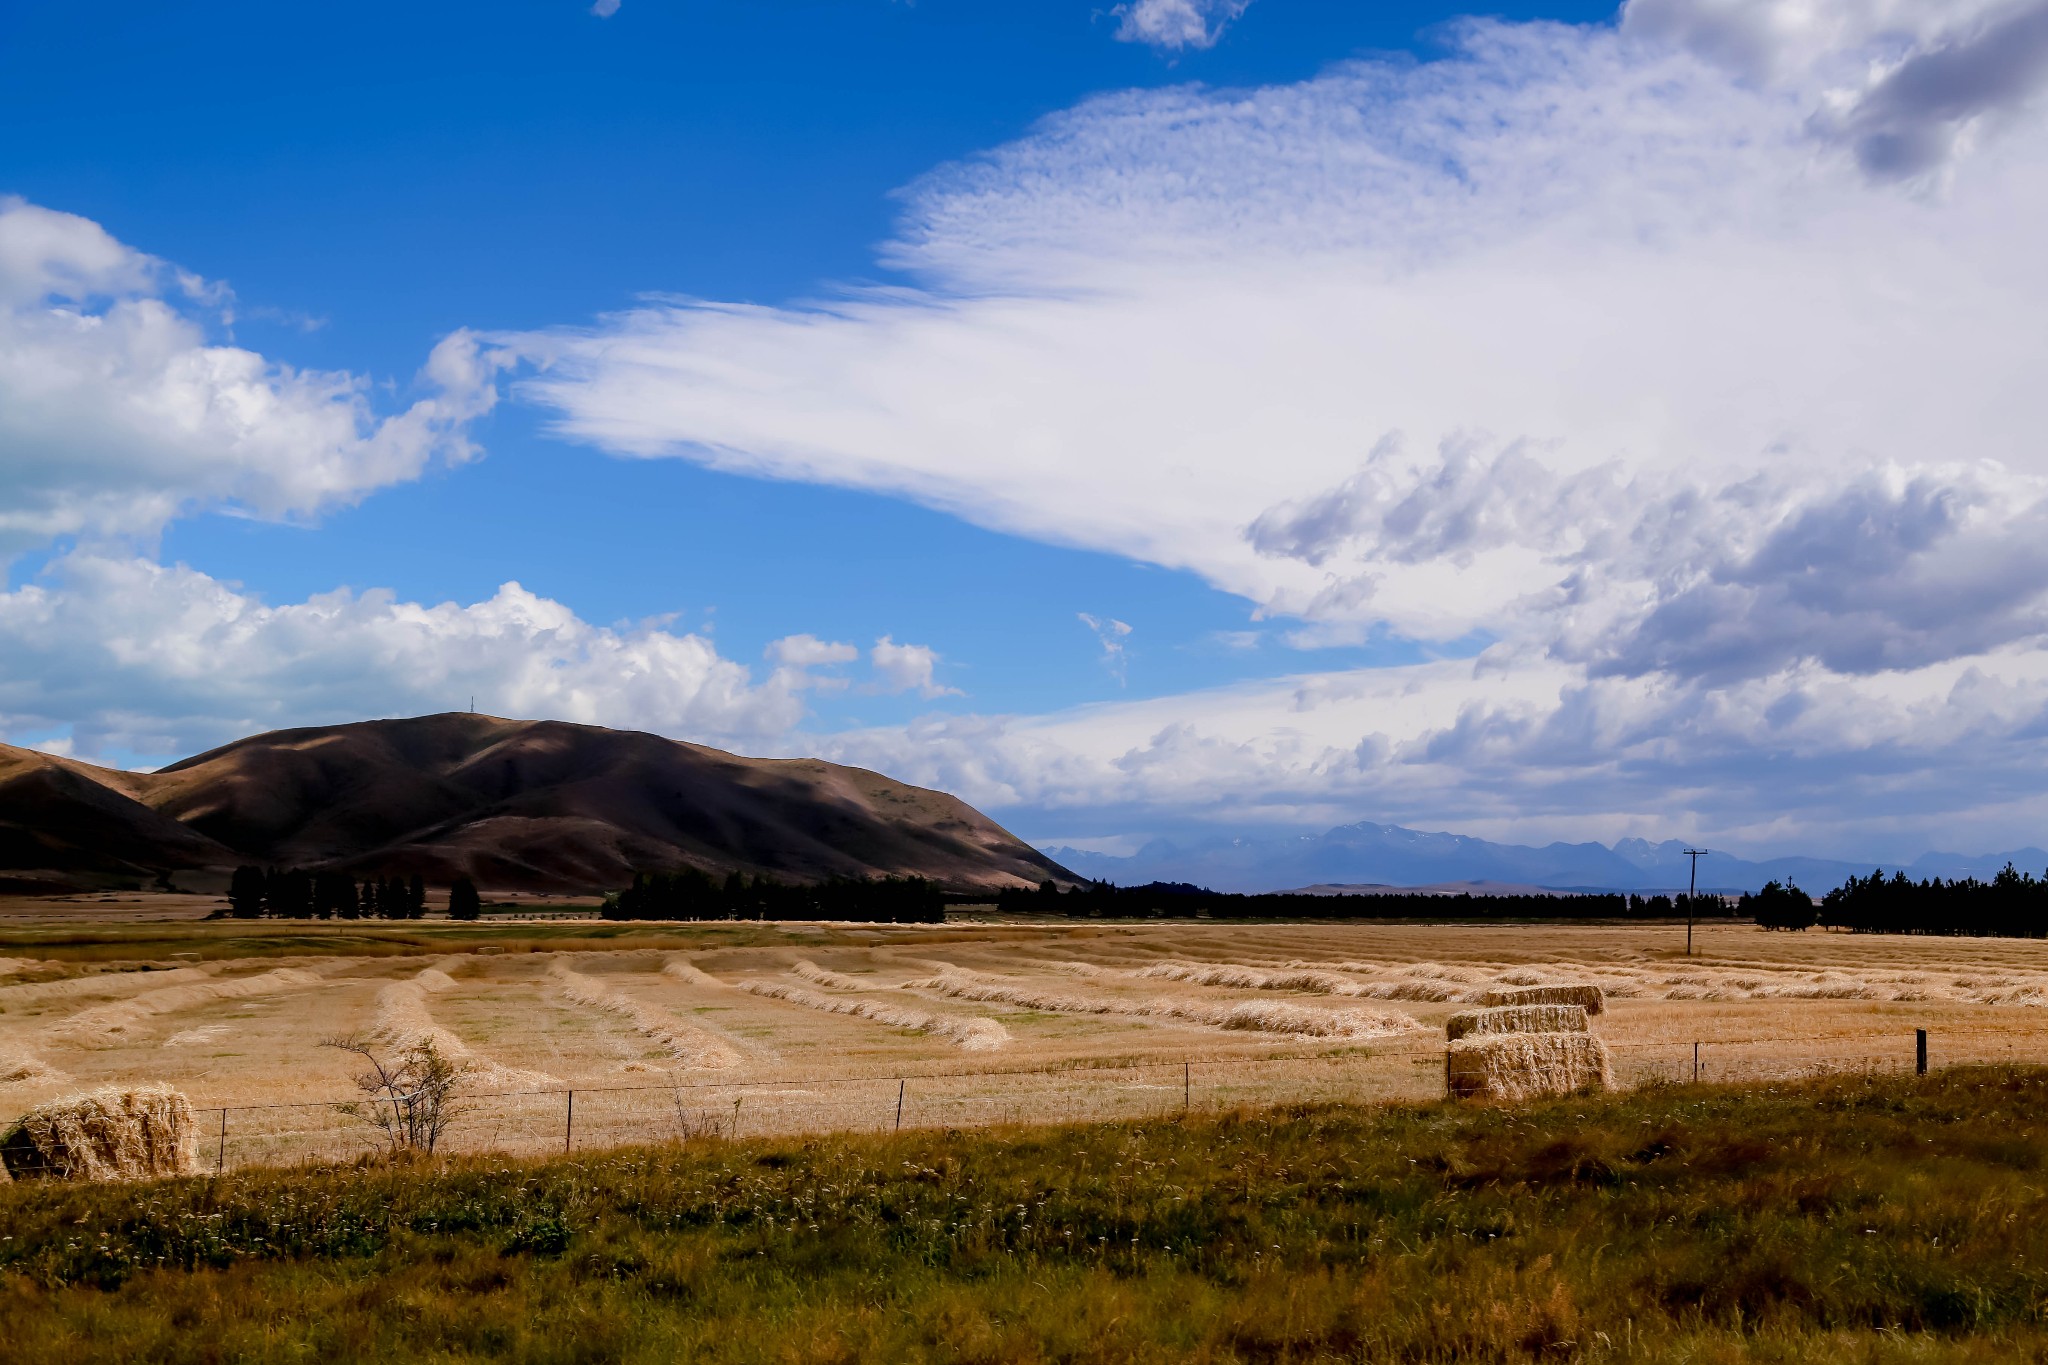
<point x="245" y="893"/>
<point x="463" y="901"/>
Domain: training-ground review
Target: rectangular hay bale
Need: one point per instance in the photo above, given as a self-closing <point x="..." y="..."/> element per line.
<point x="1526" y="1066"/>
<point x="106" y="1134"/>
<point x="1517" y="1019"/>
<point x="1588" y="998"/>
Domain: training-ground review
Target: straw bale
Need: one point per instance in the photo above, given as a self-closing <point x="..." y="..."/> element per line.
<point x="106" y="1134"/>
<point x="1517" y="1019"/>
<point x="1590" y="998"/>
<point x="1525" y="1066"/>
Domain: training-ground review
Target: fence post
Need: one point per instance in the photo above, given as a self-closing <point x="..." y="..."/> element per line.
<point x="220" y="1160"/>
<point x="569" y="1124"/>
<point x="1695" y="1062"/>
<point x="1187" y="1088"/>
<point x="900" y="1084"/>
<point x="1920" y="1051"/>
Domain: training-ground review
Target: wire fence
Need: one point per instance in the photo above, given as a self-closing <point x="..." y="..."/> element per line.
<point x="534" y="1122"/>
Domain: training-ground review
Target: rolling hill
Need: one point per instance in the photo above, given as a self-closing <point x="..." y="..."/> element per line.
<point x="515" y="805"/>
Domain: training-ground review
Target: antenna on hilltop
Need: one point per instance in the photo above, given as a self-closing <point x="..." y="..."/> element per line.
<point x="1691" y="890"/>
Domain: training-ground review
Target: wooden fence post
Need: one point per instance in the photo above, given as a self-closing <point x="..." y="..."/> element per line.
<point x="1695" y="1062"/>
<point x="1920" y="1051"/>
<point x="220" y="1160"/>
<point x="569" y="1124"/>
<point x="900" y="1084"/>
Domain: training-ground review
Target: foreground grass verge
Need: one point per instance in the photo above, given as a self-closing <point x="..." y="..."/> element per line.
<point x="1859" y="1219"/>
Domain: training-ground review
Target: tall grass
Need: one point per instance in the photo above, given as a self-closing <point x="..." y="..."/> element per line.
<point x="1851" y="1219"/>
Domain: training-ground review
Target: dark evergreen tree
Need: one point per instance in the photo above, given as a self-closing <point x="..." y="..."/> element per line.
<point x="463" y="901"/>
<point x="1779" y="907"/>
<point x="416" y="897"/>
<point x="245" y="892"/>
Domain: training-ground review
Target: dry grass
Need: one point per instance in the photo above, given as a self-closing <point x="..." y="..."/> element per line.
<point x="1295" y="978"/>
<point x="1516" y="1019"/>
<point x="405" y="1021"/>
<point x="685" y="1042"/>
<point x="119" y="1020"/>
<point x="1251" y="1016"/>
<point x="1526" y="1066"/>
<point x="108" y="1134"/>
<point x="838" y="981"/>
<point x="972" y="1033"/>
<point x="1075" y="999"/>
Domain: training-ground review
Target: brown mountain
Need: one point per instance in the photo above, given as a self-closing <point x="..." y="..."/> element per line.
<point x="515" y="805"/>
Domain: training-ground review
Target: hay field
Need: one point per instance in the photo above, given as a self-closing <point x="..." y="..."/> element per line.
<point x="676" y="1030"/>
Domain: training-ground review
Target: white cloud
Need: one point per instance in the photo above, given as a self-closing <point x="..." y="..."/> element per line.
<point x="605" y="9"/>
<point x="1176" y="25"/>
<point x="118" y="413"/>
<point x="808" y="651"/>
<point x="1113" y="635"/>
<point x="1685" y="358"/>
<point x="126" y="654"/>
<point x="907" y="668"/>
<point x="1945" y="755"/>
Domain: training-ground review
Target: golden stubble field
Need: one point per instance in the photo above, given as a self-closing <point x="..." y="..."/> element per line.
<point x="673" y="1031"/>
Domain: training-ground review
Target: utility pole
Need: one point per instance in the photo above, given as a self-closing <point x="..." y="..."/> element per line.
<point x="1692" y="887"/>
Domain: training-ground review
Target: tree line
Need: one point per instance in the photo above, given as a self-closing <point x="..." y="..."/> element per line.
<point x="695" y="895"/>
<point x="295" y="893"/>
<point x="2012" y="904"/>
<point x="1182" y="900"/>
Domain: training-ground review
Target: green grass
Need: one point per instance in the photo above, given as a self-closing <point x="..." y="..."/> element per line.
<point x="1851" y="1220"/>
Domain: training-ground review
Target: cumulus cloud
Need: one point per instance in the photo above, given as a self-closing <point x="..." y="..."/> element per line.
<point x="122" y="653"/>
<point x="1947" y="755"/>
<point x="907" y="668"/>
<point x="118" y="412"/>
<point x="1176" y="25"/>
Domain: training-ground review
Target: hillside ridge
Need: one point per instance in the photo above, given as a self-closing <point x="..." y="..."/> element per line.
<point x="515" y="805"/>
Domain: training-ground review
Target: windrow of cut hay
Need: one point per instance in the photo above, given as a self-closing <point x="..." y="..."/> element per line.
<point x="1525" y="1066"/>
<point x="97" y="983"/>
<point x="24" y="1068"/>
<point x="1516" y="1019"/>
<point x="838" y="981"/>
<point x="686" y="971"/>
<point x="404" y="1020"/>
<point x="1254" y="1016"/>
<point x="120" y="1021"/>
<point x="688" y="1043"/>
<point x="973" y="1033"/>
<point x="106" y="1134"/>
<point x="1305" y="979"/>
<point x="1588" y="998"/>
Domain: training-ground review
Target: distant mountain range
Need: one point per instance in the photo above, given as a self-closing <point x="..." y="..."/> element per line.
<point x="514" y="805"/>
<point x="1367" y="854"/>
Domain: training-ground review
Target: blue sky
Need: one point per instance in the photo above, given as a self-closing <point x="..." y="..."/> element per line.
<point x="416" y="171"/>
<point x="1186" y="415"/>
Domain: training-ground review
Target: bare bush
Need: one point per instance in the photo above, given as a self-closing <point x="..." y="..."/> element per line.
<point x="408" y="1102"/>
